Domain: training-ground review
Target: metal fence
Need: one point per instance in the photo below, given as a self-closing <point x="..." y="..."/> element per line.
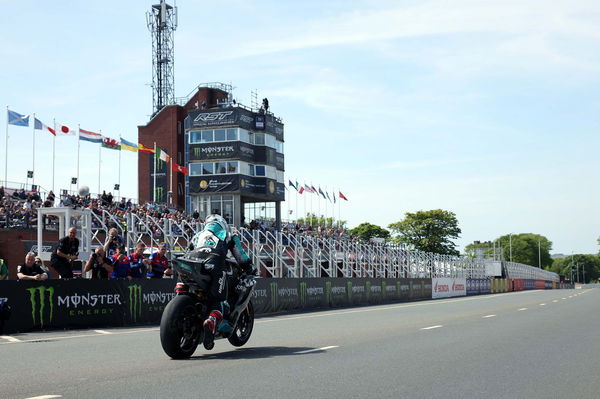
<point x="279" y="254"/>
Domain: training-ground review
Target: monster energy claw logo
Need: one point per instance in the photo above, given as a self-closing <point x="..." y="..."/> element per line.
<point x="135" y="302"/>
<point x="42" y="300"/>
<point x="159" y="193"/>
<point x="274" y="295"/>
<point x="302" y="293"/>
<point x="349" y="289"/>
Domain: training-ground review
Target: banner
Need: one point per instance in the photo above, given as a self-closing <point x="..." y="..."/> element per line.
<point x="477" y="286"/>
<point x="444" y="287"/>
<point x="81" y="303"/>
<point x="260" y="187"/>
<point x="235" y="117"/>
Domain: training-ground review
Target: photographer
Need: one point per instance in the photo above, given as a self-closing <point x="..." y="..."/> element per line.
<point x="99" y="264"/>
<point x="67" y="251"/>
<point x="113" y="241"/>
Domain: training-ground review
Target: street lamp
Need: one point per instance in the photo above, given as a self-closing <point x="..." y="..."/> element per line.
<point x="510" y="246"/>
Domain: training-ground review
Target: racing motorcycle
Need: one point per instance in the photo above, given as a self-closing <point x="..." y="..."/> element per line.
<point x="181" y="323"/>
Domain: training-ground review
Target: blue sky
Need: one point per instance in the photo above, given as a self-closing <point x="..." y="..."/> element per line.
<point x="487" y="109"/>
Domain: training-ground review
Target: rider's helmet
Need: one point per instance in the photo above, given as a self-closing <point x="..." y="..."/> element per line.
<point x="217" y="225"/>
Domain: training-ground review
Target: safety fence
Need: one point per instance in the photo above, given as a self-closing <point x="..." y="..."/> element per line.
<point x="279" y="254"/>
<point x="82" y="303"/>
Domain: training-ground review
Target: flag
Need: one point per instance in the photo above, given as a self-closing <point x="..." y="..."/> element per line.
<point x="162" y="155"/>
<point x="129" y="146"/>
<point x="14" y="118"/>
<point x="333" y="195"/>
<point x="292" y="184"/>
<point x="143" y="148"/>
<point x="180" y="169"/>
<point x="301" y="190"/>
<point x="63" y="130"/>
<point x="328" y="196"/>
<point x="111" y="144"/>
<point x="342" y="196"/>
<point x="38" y="125"/>
<point x="314" y="190"/>
<point x="307" y="188"/>
<point x="92" y="137"/>
<point x="321" y="192"/>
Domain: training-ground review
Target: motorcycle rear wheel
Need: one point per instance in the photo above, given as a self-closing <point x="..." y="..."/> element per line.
<point x="243" y="329"/>
<point x="180" y="331"/>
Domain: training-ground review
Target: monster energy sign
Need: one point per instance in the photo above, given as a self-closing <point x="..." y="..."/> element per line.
<point x="41" y="298"/>
<point x="135" y="302"/>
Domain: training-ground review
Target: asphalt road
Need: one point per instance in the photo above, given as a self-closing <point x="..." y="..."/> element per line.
<point x="532" y="344"/>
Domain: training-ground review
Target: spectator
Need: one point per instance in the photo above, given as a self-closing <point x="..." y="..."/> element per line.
<point x="113" y="241"/>
<point x="30" y="270"/>
<point x="99" y="265"/>
<point x="67" y="251"/>
<point x="40" y="263"/>
<point x="160" y="263"/>
<point x="121" y="264"/>
<point x="3" y="270"/>
<point x="139" y="265"/>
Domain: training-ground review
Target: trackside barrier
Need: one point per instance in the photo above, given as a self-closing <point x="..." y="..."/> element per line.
<point x="82" y="303"/>
<point x="115" y="303"/>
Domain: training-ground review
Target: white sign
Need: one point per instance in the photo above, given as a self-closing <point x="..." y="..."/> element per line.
<point x="444" y="287"/>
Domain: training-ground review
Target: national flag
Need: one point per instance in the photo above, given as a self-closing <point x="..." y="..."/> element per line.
<point x="321" y="192"/>
<point x="129" y="146"/>
<point x="333" y="195"/>
<point x="144" y="149"/>
<point x="342" y="196"/>
<point x="307" y="188"/>
<point x="180" y="169"/>
<point x="314" y="190"/>
<point x="14" y="118"/>
<point x="92" y="137"/>
<point x="38" y="125"/>
<point x="328" y="196"/>
<point x="292" y="184"/>
<point x="162" y="155"/>
<point x="63" y="130"/>
<point x="301" y="189"/>
<point x="111" y="144"/>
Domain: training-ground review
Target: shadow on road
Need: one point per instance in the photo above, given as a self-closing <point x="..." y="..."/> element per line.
<point x="258" y="353"/>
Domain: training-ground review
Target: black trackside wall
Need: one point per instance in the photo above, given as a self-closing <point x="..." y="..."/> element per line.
<point x="114" y="303"/>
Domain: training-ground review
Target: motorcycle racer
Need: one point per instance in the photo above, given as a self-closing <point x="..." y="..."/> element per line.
<point x="211" y="246"/>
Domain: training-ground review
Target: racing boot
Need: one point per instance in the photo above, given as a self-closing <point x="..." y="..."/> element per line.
<point x="210" y="327"/>
<point x="224" y="327"/>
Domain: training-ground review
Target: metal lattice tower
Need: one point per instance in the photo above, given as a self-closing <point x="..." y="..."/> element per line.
<point x="162" y="22"/>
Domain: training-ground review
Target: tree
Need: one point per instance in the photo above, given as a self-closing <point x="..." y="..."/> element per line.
<point x="366" y="231"/>
<point x="569" y="266"/>
<point x="525" y="248"/>
<point x="473" y="249"/>
<point x="315" y="221"/>
<point x="430" y="231"/>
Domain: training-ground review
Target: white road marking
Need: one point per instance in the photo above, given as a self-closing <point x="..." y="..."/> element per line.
<point x="102" y="332"/>
<point x="488" y="316"/>
<point x="432" y="327"/>
<point x="10" y="339"/>
<point x="565" y="298"/>
<point x="317" y="349"/>
<point x="556" y="300"/>
<point x="522" y="309"/>
<point x="542" y="304"/>
<point x="45" y="397"/>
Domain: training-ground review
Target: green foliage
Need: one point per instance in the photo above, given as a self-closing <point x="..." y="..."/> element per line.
<point x="525" y="248"/>
<point x="589" y="263"/>
<point x="315" y="221"/>
<point x="472" y="249"/>
<point x="430" y="231"/>
<point x="366" y="231"/>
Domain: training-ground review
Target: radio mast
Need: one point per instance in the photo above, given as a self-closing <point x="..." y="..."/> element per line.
<point x="162" y="22"/>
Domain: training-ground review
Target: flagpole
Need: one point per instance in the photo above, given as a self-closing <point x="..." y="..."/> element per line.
<point x="154" y="183"/>
<point x="119" y="180"/>
<point x="78" y="147"/>
<point x="296" y="204"/>
<point x="54" y="155"/>
<point x="171" y="179"/>
<point x="6" y="155"/>
<point x="33" y="161"/>
<point x="339" y="208"/>
<point x="100" y="160"/>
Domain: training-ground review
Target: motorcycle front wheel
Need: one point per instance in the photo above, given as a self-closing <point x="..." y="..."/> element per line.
<point x="180" y="331"/>
<point x="243" y="328"/>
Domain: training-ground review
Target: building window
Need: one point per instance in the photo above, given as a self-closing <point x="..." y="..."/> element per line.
<point x="259" y="138"/>
<point x="232" y="134"/>
<point x="232" y="167"/>
<point x="195" y="169"/>
<point x="208" y="169"/>
<point x="207" y="136"/>
<point x="220" y="135"/>
<point x="220" y="167"/>
<point x="259" y="170"/>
